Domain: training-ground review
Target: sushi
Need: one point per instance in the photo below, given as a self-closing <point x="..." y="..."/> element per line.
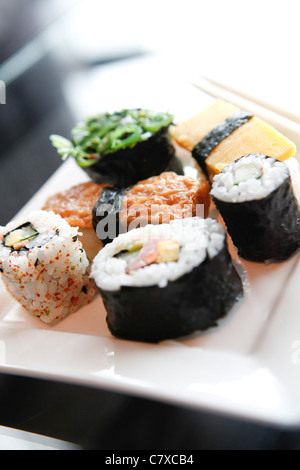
<point x="165" y="281"/>
<point x="44" y="267"/>
<point x="155" y="200"/>
<point x="163" y="198"/>
<point x="123" y="147"/>
<point x="222" y="133"/>
<point x="75" y="205"/>
<point x="256" y="200"/>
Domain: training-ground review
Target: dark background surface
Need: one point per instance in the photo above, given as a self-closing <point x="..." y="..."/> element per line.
<point x="102" y="420"/>
<point x="91" y="418"/>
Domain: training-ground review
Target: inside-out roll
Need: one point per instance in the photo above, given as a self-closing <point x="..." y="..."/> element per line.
<point x="75" y="205"/>
<point x="44" y="266"/>
<point x="255" y="197"/>
<point x="165" y="281"/>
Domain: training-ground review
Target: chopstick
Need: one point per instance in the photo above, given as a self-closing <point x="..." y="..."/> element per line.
<point x="286" y="123"/>
<point x="282" y="112"/>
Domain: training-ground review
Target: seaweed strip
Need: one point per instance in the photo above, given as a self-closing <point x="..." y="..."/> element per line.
<point x="105" y="213"/>
<point x="127" y="166"/>
<point x="109" y="205"/>
<point x="203" y="149"/>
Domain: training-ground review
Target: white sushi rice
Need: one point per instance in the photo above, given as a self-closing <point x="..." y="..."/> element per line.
<point x="51" y="277"/>
<point x="251" y="177"/>
<point x="197" y="237"/>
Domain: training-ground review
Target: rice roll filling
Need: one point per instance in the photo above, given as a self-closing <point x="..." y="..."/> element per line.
<point x="140" y="255"/>
<point x="164" y="252"/>
<point x="18" y="238"/>
<point x="251" y="177"/>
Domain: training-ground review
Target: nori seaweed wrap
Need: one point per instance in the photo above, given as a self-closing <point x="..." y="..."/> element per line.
<point x="123" y="147"/>
<point x="105" y="214"/>
<point x="165" y="281"/>
<point x="255" y="198"/>
<point x="203" y="149"/>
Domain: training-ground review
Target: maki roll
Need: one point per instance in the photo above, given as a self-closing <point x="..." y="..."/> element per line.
<point x="154" y="200"/>
<point x="123" y="147"/>
<point x="255" y="197"/>
<point x="75" y="205"/>
<point x="44" y="266"/>
<point x="165" y="281"/>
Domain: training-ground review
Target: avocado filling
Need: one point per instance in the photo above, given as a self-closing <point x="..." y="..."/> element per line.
<point x="244" y="172"/>
<point x="153" y="251"/>
<point x="19" y="237"/>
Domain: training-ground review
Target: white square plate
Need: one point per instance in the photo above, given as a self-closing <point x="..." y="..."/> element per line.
<point x="247" y="366"/>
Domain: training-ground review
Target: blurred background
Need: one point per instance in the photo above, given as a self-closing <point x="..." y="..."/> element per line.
<point x="61" y="59"/>
<point x="53" y="53"/>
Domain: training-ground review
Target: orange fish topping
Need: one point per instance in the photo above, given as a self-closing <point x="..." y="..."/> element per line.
<point x="75" y="205"/>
